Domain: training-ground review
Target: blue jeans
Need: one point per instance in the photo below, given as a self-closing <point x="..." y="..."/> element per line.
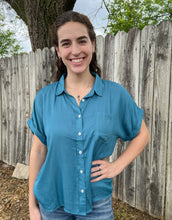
<point x="102" y="210"/>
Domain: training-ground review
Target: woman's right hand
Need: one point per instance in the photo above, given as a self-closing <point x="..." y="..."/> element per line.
<point x="35" y="213"/>
<point x="37" y="158"/>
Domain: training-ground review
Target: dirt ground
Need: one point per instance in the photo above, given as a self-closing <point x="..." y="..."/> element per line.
<point x="14" y="200"/>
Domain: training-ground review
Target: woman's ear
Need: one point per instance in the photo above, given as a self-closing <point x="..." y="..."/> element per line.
<point x="57" y="50"/>
<point x="94" y="46"/>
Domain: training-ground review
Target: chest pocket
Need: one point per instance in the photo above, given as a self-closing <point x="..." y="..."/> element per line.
<point x="104" y="125"/>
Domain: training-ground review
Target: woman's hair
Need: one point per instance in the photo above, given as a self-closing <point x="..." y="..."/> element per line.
<point x="74" y="17"/>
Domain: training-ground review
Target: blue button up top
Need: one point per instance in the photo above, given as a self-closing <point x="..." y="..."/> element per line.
<point x="77" y="135"/>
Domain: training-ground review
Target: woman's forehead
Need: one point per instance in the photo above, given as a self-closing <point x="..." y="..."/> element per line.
<point x="72" y="30"/>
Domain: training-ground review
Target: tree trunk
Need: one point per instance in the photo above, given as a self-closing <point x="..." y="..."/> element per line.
<point x="39" y="15"/>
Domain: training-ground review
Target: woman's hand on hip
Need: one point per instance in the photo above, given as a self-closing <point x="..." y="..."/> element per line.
<point x="104" y="169"/>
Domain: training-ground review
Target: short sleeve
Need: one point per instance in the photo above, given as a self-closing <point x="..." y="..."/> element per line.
<point x="35" y="123"/>
<point x="131" y="117"/>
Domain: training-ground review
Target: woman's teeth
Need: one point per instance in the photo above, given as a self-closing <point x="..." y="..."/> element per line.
<point x="77" y="60"/>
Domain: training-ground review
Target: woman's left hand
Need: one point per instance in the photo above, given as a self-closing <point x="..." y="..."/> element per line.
<point x="104" y="169"/>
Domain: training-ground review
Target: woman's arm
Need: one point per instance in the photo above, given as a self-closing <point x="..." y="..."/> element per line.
<point x="135" y="147"/>
<point x="37" y="158"/>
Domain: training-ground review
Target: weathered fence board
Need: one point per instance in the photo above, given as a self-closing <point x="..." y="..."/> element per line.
<point x="11" y="113"/>
<point x="120" y="55"/>
<point x="141" y="62"/>
<point x="20" y="104"/>
<point x="108" y="65"/>
<point x="38" y="71"/>
<point x="118" y="72"/>
<point x="46" y="78"/>
<point x="160" y="119"/>
<point x="13" y="110"/>
<point x="100" y="50"/>
<point x="130" y="82"/>
<point x="5" y="109"/>
<point x="147" y="57"/>
<point x="168" y="205"/>
<point x="27" y="107"/>
<point x="126" y="72"/>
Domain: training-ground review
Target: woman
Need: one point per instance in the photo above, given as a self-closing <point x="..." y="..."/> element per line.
<point x="76" y="122"/>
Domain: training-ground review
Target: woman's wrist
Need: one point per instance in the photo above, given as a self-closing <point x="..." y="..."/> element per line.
<point x="33" y="203"/>
<point x="117" y="167"/>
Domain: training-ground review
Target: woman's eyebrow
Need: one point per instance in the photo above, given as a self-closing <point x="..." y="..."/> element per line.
<point x="64" y="40"/>
<point x="82" y="37"/>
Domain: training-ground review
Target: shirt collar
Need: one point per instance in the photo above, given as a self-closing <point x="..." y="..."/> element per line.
<point x="98" y="84"/>
<point x="97" y="87"/>
<point x="60" y="85"/>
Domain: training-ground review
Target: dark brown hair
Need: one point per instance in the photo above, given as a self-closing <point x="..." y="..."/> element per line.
<point x="83" y="19"/>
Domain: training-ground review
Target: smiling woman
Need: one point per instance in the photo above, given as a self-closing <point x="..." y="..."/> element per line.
<point x="87" y="37"/>
<point x="76" y="122"/>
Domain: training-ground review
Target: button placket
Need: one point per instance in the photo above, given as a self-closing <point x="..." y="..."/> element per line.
<point x="80" y="158"/>
<point x="82" y="182"/>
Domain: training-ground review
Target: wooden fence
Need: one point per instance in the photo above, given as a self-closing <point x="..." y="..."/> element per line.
<point x="141" y="62"/>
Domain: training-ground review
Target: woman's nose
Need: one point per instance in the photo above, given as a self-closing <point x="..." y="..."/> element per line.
<point x="75" y="49"/>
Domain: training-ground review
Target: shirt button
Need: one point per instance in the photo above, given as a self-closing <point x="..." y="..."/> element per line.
<point x="79" y="133"/>
<point x="81" y="171"/>
<point x="83" y="100"/>
<point x="82" y="191"/>
<point x="80" y="152"/>
<point x="79" y="116"/>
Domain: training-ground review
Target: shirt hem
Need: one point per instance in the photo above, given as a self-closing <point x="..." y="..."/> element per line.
<point x="74" y="213"/>
<point x="97" y="200"/>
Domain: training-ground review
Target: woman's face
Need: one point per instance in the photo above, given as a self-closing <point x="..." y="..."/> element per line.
<point x="75" y="47"/>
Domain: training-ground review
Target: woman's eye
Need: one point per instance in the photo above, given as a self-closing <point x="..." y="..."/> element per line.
<point x="65" y="44"/>
<point x="82" y="42"/>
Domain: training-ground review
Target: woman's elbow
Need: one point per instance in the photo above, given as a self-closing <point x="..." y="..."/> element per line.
<point x="145" y="132"/>
<point x="147" y="135"/>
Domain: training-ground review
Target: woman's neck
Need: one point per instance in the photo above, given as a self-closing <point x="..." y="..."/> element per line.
<point x="79" y="80"/>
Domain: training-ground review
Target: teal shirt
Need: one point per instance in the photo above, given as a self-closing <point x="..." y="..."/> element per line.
<point x="77" y="135"/>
